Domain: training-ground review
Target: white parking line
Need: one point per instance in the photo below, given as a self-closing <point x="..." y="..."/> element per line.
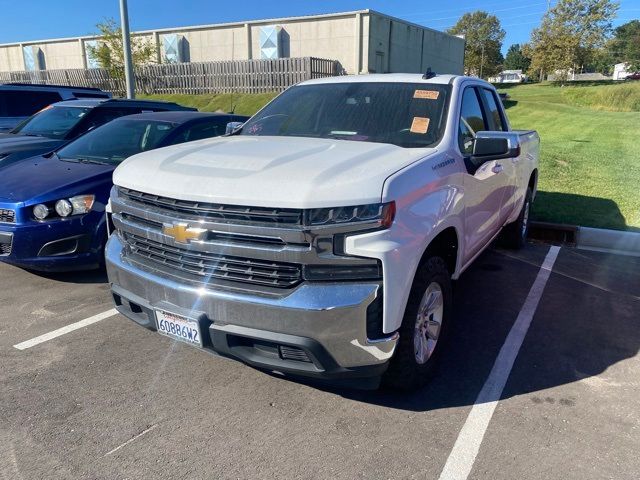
<point x="465" y="450"/>
<point x="61" y="331"/>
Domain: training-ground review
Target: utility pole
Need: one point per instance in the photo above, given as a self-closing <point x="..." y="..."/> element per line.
<point x="482" y="60"/>
<point x="126" y="46"/>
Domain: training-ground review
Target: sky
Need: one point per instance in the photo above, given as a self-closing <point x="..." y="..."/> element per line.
<point x="44" y="19"/>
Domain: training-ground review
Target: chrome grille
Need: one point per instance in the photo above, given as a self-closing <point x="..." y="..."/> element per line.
<point x="221" y="213"/>
<point x="203" y="266"/>
<point x="7" y="216"/>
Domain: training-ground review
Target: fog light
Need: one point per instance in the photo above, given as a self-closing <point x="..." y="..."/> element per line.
<point x="40" y="211"/>
<point x="64" y="208"/>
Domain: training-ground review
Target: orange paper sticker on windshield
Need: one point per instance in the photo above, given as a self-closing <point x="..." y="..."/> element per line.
<point x="427" y="94"/>
<point x="420" y="125"/>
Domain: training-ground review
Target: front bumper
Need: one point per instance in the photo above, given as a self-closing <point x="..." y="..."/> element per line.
<point x="73" y="244"/>
<point x="325" y="321"/>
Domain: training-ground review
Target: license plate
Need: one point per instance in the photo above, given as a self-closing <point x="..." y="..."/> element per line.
<point x="178" y="327"/>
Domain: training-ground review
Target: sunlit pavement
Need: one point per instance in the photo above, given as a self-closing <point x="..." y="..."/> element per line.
<point x="113" y="400"/>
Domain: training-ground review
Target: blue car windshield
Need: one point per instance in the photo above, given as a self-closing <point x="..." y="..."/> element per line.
<point x="115" y="141"/>
<point x="410" y="115"/>
<point x="52" y="122"/>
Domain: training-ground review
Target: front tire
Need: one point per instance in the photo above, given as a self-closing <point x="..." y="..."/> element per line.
<point x="424" y="327"/>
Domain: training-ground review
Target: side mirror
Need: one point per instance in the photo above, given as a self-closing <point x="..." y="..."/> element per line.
<point x="494" y="146"/>
<point x="232" y="127"/>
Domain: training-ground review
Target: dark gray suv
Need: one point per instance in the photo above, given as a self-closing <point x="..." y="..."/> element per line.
<point x="21" y="100"/>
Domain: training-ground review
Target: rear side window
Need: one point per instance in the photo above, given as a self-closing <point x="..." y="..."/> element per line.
<point x="202" y="130"/>
<point x="99" y="116"/>
<point x="24" y="103"/>
<point x="471" y="120"/>
<point x="494" y="114"/>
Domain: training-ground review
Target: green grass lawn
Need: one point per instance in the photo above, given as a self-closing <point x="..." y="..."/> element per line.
<point x="590" y="159"/>
<point x="590" y="136"/>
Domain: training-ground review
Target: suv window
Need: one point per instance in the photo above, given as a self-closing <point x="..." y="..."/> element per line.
<point x="24" y="103"/>
<point x="471" y="120"/>
<point x="493" y="112"/>
<point x="52" y="122"/>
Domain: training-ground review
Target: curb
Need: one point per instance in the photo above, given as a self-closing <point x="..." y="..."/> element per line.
<point x="586" y="238"/>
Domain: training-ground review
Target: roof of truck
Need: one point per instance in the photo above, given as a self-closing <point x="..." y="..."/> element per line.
<point x="385" y="78"/>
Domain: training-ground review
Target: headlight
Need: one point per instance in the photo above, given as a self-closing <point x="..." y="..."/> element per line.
<point x="82" y="204"/>
<point x="383" y="213"/>
<point x="40" y="211"/>
<point x="64" y="208"/>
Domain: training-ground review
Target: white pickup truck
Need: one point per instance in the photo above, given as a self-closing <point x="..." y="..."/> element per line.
<point x="321" y="238"/>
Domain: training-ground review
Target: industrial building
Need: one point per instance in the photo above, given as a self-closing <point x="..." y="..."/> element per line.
<point x="362" y="41"/>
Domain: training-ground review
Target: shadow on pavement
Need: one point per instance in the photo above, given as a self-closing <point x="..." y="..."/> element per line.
<point x="587" y="320"/>
<point x="81" y="277"/>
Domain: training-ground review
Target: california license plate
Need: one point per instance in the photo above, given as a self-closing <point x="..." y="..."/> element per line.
<point x="178" y="327"/>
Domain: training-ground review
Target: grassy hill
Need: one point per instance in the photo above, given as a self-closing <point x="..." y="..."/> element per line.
<point x="590" y="161"/>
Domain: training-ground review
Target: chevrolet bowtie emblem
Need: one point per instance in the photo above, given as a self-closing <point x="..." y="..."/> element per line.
<point x="182" y="232"/>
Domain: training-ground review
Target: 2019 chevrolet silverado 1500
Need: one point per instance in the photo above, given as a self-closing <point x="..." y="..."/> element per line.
<point x="322" y="237"/>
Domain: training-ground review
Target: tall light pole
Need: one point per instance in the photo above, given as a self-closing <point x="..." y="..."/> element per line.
<point x="126" y="47"/>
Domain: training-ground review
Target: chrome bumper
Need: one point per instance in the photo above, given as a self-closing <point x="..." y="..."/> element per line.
<point x="328" y="318"/>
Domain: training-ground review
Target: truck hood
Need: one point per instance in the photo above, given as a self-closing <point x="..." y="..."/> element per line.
<point x="39" y="179"/>
<point x="284" y="172"/>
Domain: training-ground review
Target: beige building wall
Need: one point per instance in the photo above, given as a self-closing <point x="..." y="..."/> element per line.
<point x="11" y="58"/>
<point x="397" y="46"/>
<point x="363" y="42"/>
<point x="60" y="55"/>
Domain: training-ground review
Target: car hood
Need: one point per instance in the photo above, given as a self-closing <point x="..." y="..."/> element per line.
<point x="10" y="143"/>
<point x="41" y="179"/>
<point x="285" y="172"/>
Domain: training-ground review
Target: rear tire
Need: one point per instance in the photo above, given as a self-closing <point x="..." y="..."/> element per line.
<point x="424" y="328"/>
<point x="514" y="235"/>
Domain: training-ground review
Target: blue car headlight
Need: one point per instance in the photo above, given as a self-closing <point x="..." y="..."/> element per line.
<point x="65" y="207"/>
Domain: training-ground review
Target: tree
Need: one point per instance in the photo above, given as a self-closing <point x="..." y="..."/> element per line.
<point x="570" y="34"/>
<point x="515" y="59"/>
<point x="625" y="45"/>
<point x="109" y="51"/>
<point x="483" y="36"/>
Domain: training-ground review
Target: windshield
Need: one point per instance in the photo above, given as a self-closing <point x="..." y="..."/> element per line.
<point x="404" y="114"/>
<point x="117" y="140"/>
<point x="53" y="122"/>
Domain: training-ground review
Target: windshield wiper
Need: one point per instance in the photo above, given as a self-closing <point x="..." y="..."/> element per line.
<point x="84" y="160"/>
<point x="31" y="134"/>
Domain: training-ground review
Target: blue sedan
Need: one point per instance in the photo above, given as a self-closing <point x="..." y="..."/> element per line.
<point x="52" y="207"/>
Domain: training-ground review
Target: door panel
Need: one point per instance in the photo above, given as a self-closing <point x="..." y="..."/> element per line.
<point x="484" y="186"/>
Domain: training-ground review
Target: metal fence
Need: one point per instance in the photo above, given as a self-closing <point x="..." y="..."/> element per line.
<point x="237" y="76"/>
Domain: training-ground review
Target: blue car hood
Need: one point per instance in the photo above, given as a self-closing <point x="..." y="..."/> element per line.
<point x="40" y="179"/>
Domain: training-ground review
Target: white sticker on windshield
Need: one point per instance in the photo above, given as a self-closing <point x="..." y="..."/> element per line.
<point x="426" y="94"/>
<point x="420" y="125"/>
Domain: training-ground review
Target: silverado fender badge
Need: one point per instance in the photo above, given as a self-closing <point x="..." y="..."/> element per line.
<point x="182" y="232"/>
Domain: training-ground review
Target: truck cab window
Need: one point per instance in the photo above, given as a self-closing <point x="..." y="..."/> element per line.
<point x="493" y="111"/>
<point x="471" y="120"/>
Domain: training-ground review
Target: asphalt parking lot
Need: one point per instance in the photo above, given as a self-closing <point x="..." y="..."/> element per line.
<point x="112" y="400"/>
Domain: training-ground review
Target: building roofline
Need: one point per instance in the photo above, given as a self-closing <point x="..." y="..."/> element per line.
<point x="227" y="25"/>
<point x="193" y="27"/>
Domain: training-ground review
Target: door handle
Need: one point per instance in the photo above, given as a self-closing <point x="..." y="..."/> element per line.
<point x="497" y="168"/>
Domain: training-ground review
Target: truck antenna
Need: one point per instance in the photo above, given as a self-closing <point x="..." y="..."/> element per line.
<point x="429" y="74"/>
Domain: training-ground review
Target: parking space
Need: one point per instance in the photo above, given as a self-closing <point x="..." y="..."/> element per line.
<point x="113" y="400"/>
